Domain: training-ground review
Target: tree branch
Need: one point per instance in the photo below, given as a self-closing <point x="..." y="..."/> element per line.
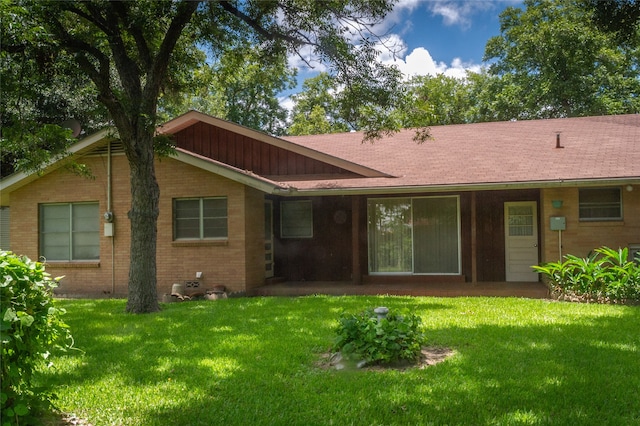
<point x="143" y="48"/>
<point x="158" y="70"/>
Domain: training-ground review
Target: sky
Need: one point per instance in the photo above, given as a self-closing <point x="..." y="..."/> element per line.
<point x="437" y="36"/>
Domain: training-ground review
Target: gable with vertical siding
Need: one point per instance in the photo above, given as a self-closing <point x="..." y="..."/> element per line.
<point x="246" y="153"/>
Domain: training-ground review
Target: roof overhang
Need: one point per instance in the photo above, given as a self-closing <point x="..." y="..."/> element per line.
<point x="244" y="177"/>
<point x="20" y="179"/>
<point x="495" y="186"/>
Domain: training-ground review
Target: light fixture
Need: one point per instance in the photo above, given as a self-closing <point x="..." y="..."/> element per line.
<point x="556" y="204"/>
<point x="629" y="188"/>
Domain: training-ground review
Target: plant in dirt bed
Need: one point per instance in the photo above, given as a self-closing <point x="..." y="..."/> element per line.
<point x="31" y="327"/>
<point x="606" y="275"/>
<point x="392" y="338"/>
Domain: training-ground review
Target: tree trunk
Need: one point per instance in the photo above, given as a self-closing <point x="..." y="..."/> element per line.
<point x="145" y="195"/>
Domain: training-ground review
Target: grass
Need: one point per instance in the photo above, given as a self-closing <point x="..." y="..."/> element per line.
<point x="254" y="361"/>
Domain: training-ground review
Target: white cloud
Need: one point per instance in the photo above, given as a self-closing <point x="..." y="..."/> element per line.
<point x="460" y="12"/>
<point x="420" y="62"/>
<point x="452" y="14"/>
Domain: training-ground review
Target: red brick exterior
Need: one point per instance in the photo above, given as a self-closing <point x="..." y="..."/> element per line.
<point x="580" y="237"/>
<point x="493" y="157"/>
<point x="237" y="263"/>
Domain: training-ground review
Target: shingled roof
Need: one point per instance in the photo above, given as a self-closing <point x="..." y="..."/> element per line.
<point x="535" y="153"/>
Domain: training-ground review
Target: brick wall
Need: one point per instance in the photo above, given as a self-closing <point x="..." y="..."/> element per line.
<point x="221" y="262"/>
<point x="581" y="237"/>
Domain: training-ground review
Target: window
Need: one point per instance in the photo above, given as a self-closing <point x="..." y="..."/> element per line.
<point x="296" y="219"/>
<point x="414" y="235"/>
<point x="600" y="204"/>
<point x="70" y="231"/>
<point x="200" y="218"/>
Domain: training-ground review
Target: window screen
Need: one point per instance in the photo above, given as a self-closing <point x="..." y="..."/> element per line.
<point x="200" y="218"/>
<point x="70" y="231"/>
<point x="600" y="204"/>
<point x="296" y="219"/>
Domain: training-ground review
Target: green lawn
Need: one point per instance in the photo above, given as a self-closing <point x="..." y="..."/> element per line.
<point x="252" y="361"/>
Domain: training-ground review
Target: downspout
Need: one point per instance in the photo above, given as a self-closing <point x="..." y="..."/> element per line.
<point x="113" y="244"/>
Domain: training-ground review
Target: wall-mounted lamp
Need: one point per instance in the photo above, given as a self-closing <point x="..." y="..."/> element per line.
<point x="629" y="188"/>
<point x="556" y="204"/>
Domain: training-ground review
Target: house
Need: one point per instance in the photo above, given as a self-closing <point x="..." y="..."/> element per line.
<point x="477" y="203"/>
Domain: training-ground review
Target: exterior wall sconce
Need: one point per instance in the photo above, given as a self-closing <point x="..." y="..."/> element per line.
<point x="556" y="204"/>
<point x="629" y="188"/>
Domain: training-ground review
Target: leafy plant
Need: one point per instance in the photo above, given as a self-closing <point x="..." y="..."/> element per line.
<point x="390" y="339"/>
<point x="605" y="275"/>
<point x="31" y="327"/>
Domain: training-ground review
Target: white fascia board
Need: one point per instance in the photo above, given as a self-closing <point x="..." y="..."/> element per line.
<point x="20" y="179"/>
<point x="464" y="187"/>
<point x="244" y="177"/>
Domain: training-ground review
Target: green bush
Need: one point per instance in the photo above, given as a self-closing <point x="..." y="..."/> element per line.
<point x="606" y="275"/>
<point x="391" y="339"/>
<point x="31" y="327"/>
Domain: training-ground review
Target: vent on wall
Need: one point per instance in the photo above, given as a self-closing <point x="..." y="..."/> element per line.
<point x="116" y="148"/>
<point x="191" y="284"/>
<point x="634" y="252"/>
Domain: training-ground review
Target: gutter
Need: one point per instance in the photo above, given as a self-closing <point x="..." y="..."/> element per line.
<point x="560" y="183"/>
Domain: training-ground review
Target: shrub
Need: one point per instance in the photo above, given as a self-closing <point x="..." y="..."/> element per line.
<point x="606" y="275"/>
<point x="394" y="338"/>
<point x="31" y="327"/>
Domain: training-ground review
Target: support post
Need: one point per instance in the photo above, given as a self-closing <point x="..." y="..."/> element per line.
<point x="474" y="240"/>
<point x="356" y="274"/>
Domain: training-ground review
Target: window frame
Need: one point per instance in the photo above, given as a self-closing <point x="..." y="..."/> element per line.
<point x="73" y="231"/>
<point x="201" y="219"/>
<point x="583" y="205"/>
<point x="412" y="217"/>
<point x="307" y="215"/>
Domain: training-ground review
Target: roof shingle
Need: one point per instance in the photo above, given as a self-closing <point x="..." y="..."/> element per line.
<point x="593" y="148"/>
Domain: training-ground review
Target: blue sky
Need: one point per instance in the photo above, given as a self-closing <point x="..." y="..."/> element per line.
<point x="452" y="33"/>
<point x="439" y="36"/>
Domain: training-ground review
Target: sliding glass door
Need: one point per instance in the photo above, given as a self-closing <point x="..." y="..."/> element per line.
<point x="414" y="235"/>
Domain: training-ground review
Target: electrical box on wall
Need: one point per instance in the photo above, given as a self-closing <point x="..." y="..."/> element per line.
<point x="108" y="229"/>
<point x="558" y="223"/>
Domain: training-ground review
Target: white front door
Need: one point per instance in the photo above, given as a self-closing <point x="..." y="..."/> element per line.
<point x="268" y="239"/>
<point x="521" y="240"/>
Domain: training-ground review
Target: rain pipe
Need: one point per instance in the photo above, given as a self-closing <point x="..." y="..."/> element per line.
<point x="113" y="242"/>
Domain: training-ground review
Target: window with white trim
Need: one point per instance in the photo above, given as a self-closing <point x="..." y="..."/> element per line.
<point x="296" y="219"/>
<point x="200" y="218"/>
<point x="599" y="204"/>
<point x="70" y="231"/>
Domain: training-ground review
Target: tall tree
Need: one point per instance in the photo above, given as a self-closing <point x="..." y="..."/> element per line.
<point x="620" y="17"/>
<point x="239" y="86"/>
<point x="135" y="51"/>
<point x="316" y="108"/>
<point x="39" y="96"/>
<point x="554" y="61"/>
<point x="440" y="99"/>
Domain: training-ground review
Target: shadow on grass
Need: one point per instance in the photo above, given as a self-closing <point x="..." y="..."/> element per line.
<point x="252" y="361"/>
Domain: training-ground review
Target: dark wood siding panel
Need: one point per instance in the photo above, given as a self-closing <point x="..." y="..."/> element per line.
<point x="490" y="230"/>
<point x="257" y="166"/>
<point x="292" y="163"/>
<point x="465" y="234"/>
<point x="249" y="154"/>
<point x="274" y="161"/>
<point x="206" y="141"/>
<point x="325" y="257"/>
<point x="240" y="160"/>
<point x="231" y="149"/>
<point x="214" y="142"/>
